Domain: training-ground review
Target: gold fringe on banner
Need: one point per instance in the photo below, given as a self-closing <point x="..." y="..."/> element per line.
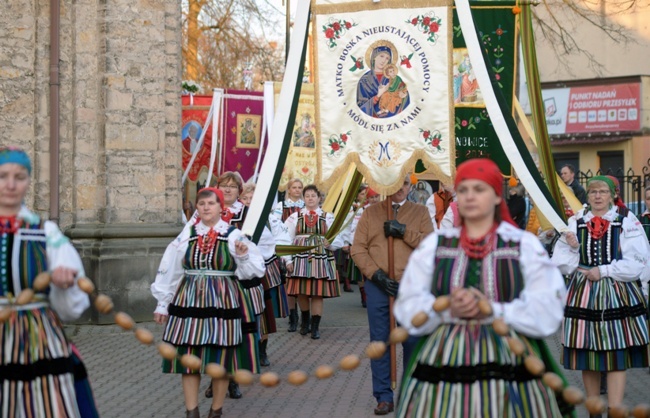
<point x="358" y="6"/>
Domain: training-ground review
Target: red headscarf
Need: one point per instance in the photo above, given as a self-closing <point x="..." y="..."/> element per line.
<point x="216" y="191"/>
<point x="371" y="193"/>
<point x="487" y="171"/>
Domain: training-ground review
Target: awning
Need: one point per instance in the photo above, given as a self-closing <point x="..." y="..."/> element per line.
<point x="586" y="140"/>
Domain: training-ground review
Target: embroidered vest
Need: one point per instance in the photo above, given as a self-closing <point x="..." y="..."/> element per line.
<point x="219" y="258"/>
<point x="23" y="256"/>
<point x="498" y="275"/>
<point x="602" y="251"/>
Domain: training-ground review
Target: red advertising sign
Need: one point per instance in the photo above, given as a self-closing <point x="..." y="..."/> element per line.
<point x="593" y="109"/>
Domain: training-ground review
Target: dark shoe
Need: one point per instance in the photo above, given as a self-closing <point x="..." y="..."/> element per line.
<point x="293" y="320"/>
<point x="315" y="322"/>
<point x="233" y="390"/>
<point x="194" y="413"/>
<point x="384" y="408"/>
<point x="347" y="287"/>
<point x="264" y="359"/>
<point x="304" y="323"/>
<point x="215" y="413"/>
<point x="208" y="391"/>
<point x="362" y="290"/>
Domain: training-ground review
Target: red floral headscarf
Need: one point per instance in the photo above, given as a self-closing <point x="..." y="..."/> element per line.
<point x="487" y="171"/>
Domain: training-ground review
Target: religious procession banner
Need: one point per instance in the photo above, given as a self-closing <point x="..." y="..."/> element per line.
<point x="301" y="160"/>
<point x="383" y="92"/>
<point x="195" y="111"/>
<point x="242" y="135"/>
<point x="475" y="135"/>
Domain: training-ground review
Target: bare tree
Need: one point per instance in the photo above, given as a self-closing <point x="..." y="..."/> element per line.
<point x="558" y="21"/>
<point x="222" y="36"/>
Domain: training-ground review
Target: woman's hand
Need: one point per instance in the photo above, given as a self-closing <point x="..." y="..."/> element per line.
<point x="326" y="243"/>
<point x="572" y="240"/>
<point x="464" y="304"/>
<point x="290" y="268"/>
<point x="241" y="248"/>
<point x="63" y="277"/>
<point x="593" y="274"/>
<point x="160" y="318"/>
<point x="346" y="249"/>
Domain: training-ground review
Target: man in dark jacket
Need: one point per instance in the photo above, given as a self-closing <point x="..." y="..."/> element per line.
<point x="568" y="174"/>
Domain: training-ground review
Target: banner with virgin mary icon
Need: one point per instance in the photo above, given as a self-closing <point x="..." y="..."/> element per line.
<point x="384" y="96"/>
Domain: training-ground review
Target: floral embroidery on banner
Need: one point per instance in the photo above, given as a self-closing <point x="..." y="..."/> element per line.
<point x="471" y="123"/>
<point x="338" y="142"/>
<point x="335" y="29"/>
<point x="428" y="23"/>
<point x="433" y="138"/>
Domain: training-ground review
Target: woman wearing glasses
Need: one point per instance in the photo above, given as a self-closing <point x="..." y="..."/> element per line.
<point x="605" y="320"/>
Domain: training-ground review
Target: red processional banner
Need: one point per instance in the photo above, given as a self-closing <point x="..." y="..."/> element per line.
<point x="195" y="113"/>
<point x="241" y="120"/>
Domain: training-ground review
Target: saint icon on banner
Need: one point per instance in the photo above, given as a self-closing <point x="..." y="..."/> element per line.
<point x="381" y="92"/>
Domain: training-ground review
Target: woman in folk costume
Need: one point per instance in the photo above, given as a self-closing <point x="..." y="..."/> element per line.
<point x="251" y="291"/>
<point x="37" y="363"/>
<point x="199" y="298"/>
<point x="605" y="320"/>
<point x="313" y="273"/>
<point x="275" y="295"/>
<point x="462" y="367"/>
<point x="292" y="204"/>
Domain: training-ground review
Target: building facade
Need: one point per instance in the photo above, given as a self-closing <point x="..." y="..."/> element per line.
<point x="118" y="141"/>
<point x="598" y="101"/>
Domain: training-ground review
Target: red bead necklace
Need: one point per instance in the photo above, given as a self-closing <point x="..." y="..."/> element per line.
<point x="9" y="224"/>
<point x="311" y="219"/>
<point x="478" y="248"/>
<point x="207" y="241"/>
<point x="597" y="227"/>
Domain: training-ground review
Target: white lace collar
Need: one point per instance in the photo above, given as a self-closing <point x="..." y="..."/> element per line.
<point x="291" y="204"/>
<point x="236" y="207"/>
<point x="28" y="215"/>
<point x="507" y="231"/>
<point x="221" y="227"/>
<point x="611" y="214"/>
<point x="305" y="211"/>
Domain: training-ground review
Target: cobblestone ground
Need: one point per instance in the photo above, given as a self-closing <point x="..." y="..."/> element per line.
<point x="127" y="380"/>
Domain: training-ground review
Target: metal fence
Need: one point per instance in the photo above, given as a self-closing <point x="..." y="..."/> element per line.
<point x="631" y="185"/>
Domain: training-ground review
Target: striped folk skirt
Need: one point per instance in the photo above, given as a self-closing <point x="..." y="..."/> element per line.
<point x="605" y="325"/>
<point x="313" y="287"/>
<point x="318" y="263"/>
<point x="275" y="297"/>
<point x="467" y="371"/>
<point x="205" y="319"/>
<point x="36" y="366"/>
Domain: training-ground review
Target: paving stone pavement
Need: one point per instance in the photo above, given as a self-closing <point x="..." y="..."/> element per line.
<point x="128" y="382"/>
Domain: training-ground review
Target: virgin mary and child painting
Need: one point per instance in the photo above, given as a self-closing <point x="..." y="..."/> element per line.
<point x="381" y="92"/>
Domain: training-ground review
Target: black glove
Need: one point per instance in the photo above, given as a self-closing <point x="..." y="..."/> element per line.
<point x="385" y="283"/>
<point x="394" y="229"/>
